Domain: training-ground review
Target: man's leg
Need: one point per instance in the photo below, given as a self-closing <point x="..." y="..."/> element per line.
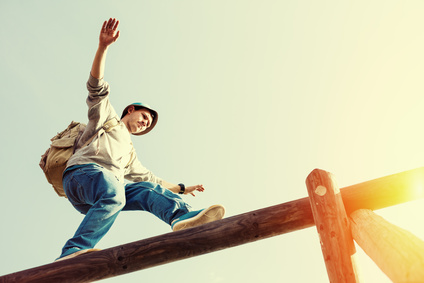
<point x="156" y="199"/>
<point x="96" y="193"/>
<point x="168" y="206"/>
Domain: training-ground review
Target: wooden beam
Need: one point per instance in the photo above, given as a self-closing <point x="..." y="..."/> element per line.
<point x="397" y="252"/>
<point x="333" y="228"/>
<point x="226" y="233"/>
<point x="385" y="191"/>
<point x="229" y="232"/>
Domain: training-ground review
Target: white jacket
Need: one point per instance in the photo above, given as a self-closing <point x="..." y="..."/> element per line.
<point x="114" y="150"/>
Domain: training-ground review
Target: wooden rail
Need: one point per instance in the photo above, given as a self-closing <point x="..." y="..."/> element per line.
<point x="229" y="232"/>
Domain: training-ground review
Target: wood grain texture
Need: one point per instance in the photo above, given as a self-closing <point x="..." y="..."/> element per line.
<point x="229" y="232"/>
<point x="332" y="226"/>
<point x="397" y="252"/>
<point x="226" y="233"/>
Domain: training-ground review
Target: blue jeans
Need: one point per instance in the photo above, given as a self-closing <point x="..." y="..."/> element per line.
<point x="99" y="195"/>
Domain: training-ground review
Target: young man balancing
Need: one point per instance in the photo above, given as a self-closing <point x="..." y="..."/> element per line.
<point x="94" y="178"/>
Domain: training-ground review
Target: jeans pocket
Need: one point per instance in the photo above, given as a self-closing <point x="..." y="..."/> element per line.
<point x="73" y="190"/>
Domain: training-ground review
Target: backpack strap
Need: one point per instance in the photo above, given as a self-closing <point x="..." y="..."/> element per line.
<point x="109" y="125"/>
<point x="106" y="128"/>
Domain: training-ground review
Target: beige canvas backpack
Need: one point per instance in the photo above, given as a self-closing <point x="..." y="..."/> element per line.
<point x="53" y="161"/>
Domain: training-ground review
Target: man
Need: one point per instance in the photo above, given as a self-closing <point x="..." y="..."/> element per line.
<point x="94" y="178"/>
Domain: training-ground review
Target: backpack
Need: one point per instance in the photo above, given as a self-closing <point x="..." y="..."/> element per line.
<point x="53" y="162"/>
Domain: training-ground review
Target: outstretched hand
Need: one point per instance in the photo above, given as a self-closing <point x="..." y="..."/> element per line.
<point x="109" y="33"/>
<point x="192" y="189"/>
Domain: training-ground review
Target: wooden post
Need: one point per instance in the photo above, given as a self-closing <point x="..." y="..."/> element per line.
<point x="397" y="252"/>
<point x="333" y="227"/>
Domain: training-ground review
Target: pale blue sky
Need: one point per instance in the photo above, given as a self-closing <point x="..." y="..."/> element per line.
<point x="251" y="95"/>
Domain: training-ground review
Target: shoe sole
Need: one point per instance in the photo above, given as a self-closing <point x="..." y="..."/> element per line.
<point x="210" y="214"/>
<point x="75" y="254"/>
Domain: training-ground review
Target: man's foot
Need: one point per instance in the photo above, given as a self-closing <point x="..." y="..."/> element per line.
<point x="199" y="217"/>
<point x="75" y="254"/>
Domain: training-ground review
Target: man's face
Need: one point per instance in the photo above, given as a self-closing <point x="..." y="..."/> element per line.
<point x="138" y="120"/>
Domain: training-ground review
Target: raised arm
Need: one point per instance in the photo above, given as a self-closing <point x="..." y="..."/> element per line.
<point x="108" y="35"/>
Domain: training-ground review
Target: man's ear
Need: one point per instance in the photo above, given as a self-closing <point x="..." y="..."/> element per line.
<point x="130" y="109"/>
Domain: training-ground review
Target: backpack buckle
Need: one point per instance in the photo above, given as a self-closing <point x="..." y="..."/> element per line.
<point x="109" y="125"/>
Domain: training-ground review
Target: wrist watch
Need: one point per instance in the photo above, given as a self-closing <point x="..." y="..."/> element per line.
<point x="182" y="189"/>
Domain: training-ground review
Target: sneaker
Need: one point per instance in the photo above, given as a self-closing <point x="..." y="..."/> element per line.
<point x="75" y="254"/>
<point x="199" y="217"/>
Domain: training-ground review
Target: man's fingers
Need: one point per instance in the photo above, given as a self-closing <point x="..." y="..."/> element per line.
<point x="104" y="26"/>
<point x="111" y="24"/>
<point x="116" y="25"/>
<point x="200" y="188"/>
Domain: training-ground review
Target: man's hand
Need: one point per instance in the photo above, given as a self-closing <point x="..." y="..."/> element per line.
<point x="109" y="33"/>
<point x="192" y="189"/>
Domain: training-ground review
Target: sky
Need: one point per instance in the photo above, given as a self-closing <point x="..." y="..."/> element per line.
<point x="252" y="96"/>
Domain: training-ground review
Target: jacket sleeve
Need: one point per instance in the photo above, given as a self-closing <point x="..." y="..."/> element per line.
<point x="136" y="172"/>
<point x="99" y="108"/>
<point x="97" y="90"/>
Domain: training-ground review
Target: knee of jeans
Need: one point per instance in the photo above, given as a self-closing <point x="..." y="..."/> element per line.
<point x="115" y="198"/>
<point x="158" y="188"/>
